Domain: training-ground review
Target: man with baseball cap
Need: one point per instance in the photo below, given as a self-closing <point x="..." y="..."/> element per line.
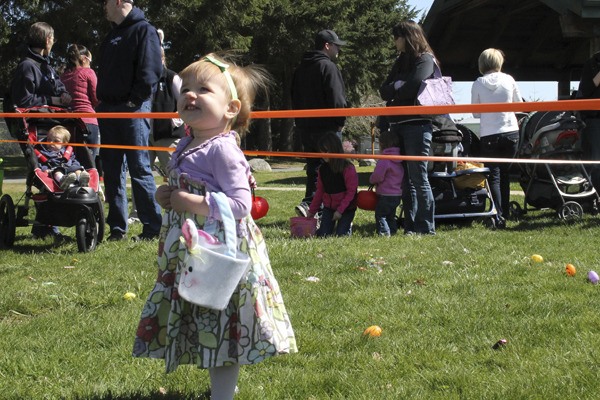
<point x="317" y="84"/>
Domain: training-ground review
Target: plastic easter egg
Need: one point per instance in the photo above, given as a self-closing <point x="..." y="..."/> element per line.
<point x="593" y="277"/>
<point x="260" y="207"/>
<point x="366" y="200"/>
<point x="373" y="331"/>
<point x="129" y="296"/>
<point x="570" y="270"/>
<point x="537" y="258"/>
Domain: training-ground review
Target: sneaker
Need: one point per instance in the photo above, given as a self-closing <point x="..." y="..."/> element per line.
<point x="133" y="220"/>
<point x="67" y="180"/>
<point x="116" y="236"/>
<point x="84" y="178"/>
<point x="302" y="209"/>
<point x="144" y="237"/>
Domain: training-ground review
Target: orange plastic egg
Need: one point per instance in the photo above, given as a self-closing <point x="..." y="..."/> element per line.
<point x="570" y="270"/>
<point x="373" y="331"/>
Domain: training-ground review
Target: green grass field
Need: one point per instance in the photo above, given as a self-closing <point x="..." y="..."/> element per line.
<point x="442" y="303"/>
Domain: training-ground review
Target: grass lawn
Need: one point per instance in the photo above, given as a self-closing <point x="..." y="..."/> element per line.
<point x="442" y="303"/>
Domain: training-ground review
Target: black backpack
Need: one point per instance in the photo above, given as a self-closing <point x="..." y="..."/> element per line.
<point x="8" y="106"/>
<point x="164" y="101"/>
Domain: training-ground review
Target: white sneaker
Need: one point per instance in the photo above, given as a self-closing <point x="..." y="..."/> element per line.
<point x="302" y="209"/>
<point x="133" y="220"/>
<point x="84" y="178"/>
<point x="67" y="180"/>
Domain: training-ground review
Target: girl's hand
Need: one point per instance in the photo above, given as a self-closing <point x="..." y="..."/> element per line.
<point x="252" y="182"/>
<point x="163" y="196"/>
<point x="310" y="215"/>
<point x="336" y="216"/>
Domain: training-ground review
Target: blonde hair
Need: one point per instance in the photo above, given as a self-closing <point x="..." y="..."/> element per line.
<point x="491" y="60"/>
<point x="60" y="132"/>
<point x="248" y="81"/>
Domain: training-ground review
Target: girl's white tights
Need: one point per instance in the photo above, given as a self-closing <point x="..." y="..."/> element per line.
<point x="223" y="381"/>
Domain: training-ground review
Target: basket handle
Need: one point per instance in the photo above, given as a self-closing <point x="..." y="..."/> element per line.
<point x="228" y="222"/>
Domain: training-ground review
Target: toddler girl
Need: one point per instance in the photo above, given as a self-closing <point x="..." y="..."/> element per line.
<point x="215" y="99"/>
<point x="337" y="182"/>
<point x="388" y="176"/>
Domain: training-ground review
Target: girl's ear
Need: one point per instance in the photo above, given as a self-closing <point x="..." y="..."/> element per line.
<point x="233" y="109"/>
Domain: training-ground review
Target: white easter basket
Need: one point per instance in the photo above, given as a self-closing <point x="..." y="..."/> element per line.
<point x="211" y="275"/>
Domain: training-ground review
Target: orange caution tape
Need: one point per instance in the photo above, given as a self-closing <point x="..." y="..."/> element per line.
<point x="561" y="105"/>
<point x="253" y="153"/>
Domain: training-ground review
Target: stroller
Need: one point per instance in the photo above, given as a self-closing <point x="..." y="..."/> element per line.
<point x="566" y="188"/>
<point x="75" y="206"/>
<point x="460" y="189"/>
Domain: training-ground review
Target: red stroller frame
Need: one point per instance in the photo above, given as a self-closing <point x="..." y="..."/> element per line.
<point x="76" y="206"/>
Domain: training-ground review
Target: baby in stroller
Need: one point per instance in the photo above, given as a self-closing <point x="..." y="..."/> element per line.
<point x="59" y="160"/>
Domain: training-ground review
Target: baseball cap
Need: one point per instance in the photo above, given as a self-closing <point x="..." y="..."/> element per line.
<point x="328" y="36"/>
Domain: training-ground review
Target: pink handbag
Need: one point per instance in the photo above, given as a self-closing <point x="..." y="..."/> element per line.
<point x="437" y="90"/>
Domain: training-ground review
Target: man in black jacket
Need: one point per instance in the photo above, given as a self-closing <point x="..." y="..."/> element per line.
<point x="318" y="84"/>
<point x="129" y="70"/>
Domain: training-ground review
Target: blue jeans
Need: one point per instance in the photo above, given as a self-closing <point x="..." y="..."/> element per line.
<point x="591" y="146"/>
<point x="310" y="140"/>
<point x="417" y="197"/>
<point x="128" y="132"/>
<point x="502" y="145"/>
<point x="93" y="138"/>
<point x="385" y="215"/>
<point x="328" y="225"/>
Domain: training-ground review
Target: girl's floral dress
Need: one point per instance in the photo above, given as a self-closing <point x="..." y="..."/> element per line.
<point x="254" y="326"/>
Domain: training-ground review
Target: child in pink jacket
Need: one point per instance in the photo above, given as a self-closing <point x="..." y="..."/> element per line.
<point x="388" y="176"/>
<point x="337" y="183"/>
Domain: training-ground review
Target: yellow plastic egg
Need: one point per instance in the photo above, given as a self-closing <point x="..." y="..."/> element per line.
<point x="537" y="258"/>
<point x="373" y="331"/>
<point x="570" y="270"/>
<point x="129" y="296"/>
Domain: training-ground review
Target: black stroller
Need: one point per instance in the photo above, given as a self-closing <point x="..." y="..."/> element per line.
<point x="75" y="206"/>
<point x="460" y="189"/>
<point x="565" y="188"/>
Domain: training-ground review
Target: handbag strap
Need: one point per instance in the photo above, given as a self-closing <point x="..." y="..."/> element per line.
<point x="228" y="222"/>
<point x="437" y="72"/>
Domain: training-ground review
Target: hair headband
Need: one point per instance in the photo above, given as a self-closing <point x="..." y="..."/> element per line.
<point x="223" y="67"/>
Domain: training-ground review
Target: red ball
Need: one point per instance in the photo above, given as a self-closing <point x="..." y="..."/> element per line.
<point x="366" y="200"/>
<point x="260" y="207"/>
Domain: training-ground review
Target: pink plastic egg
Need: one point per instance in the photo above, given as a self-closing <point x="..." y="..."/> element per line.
<point x="593" y="277"/>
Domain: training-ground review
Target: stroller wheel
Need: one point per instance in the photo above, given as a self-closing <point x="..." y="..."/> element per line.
<point x="489" y="222"/>
<point x="8" y="224"/>
<point x="570" y="211"/>
<point x="86" y="231"/>
<point x="99" y="216"/>
<point x="515" y="211"/>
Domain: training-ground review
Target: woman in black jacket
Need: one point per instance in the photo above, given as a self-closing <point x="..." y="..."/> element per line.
<point x="36" y="83"/>
<point x="414" y="64"/>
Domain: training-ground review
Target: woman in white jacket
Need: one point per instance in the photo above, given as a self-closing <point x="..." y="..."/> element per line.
<point x="499" y="131"/>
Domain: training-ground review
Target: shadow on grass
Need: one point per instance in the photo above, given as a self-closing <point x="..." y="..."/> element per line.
<point x="38" y="245"/>
<point x="542" y="219"/>
<point x="154" y="396"/>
